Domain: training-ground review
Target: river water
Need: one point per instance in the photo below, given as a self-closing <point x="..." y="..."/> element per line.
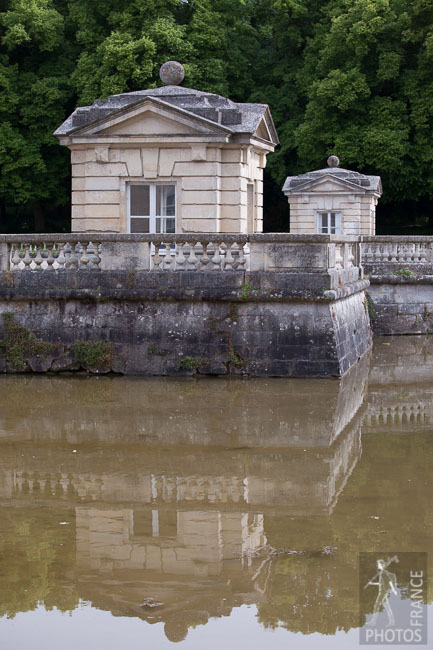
<point x="212" y="513"/>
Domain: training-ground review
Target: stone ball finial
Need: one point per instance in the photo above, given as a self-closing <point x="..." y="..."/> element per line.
<point x="171" y="73"/>
<point x="333" y="161"/>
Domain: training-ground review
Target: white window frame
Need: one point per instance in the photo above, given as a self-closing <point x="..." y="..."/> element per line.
<point x="328" y="213"/>
<point x="152" y="206"/>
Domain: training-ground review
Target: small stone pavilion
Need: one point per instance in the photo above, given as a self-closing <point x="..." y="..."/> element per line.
<point x="333" y="201"/>
<point x="169" y="159"/>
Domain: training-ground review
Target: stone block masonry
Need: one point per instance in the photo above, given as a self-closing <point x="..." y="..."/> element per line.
<point x="400" y="270"/>
<point x="241" y="323"/>
<point x="402" y="305"/>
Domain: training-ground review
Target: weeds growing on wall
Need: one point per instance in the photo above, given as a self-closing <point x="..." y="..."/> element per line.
<point x="19" y="343"/>
<point x="405" y="273"/>
<point x="93" y="354"/>
<point x="191" y="364"/>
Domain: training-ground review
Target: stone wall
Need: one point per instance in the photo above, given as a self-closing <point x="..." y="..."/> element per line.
<point x="402" y="305"/>
<point x="242" y="323"/>
<point x="211" y="186"/>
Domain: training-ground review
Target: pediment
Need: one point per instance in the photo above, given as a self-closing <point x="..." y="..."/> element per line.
<point x="149" y="122"/>
<point x="266" y="129"/>
<point x="153" y="117"/>
<point x="263" y="131"/>
<point x="329" y="184"/>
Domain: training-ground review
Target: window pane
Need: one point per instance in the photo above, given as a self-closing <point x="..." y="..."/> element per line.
<point x="165" y="200"/>
<point x="170" y="225"/>
<point x="324" y="217"/>
<point x="165" y="225"/>
<point x="140" y="201"/>
<point x="140" y="225"/>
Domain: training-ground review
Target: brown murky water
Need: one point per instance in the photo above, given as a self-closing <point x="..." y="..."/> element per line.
<point x="211" y="513"/>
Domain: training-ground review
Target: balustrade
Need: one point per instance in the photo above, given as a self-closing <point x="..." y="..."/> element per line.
<point x="200" y="255"/>
<point x="50" y="256"/>
<point x="183" y="252"/>
<point x="404" y="252"/>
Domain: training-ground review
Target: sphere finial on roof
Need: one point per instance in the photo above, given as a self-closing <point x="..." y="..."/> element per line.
<point x="333" y="161"/>
<point x="171" y="73"/>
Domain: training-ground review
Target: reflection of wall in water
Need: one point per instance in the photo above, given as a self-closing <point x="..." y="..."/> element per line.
<point x="168" y="541"/>
<point x="261" y="413"/>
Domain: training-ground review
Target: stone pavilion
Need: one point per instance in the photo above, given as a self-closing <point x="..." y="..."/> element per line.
<point x="168" y="160"/>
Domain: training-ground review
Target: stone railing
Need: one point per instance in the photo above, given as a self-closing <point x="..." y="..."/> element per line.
<point x="199" y="253"/>
<point x="49" y="255"/>
<point x="380" y="251"/>
<point x="341" y="255"/>
<point x="337" y="255"/>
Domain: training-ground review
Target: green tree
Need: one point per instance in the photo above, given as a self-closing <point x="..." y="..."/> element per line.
<point x="368" y="80"/>
<point x="36" y="61"/>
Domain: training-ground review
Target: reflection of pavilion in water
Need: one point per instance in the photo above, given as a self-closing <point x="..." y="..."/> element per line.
<point x="175" y="511"/>
<point x="180" y="517"/>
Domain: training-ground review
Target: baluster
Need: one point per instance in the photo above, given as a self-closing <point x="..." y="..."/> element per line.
<point x="229" y="260"/>
<point x="380" y="253"/>
<point x="411" y="252"/>
<point x="192" y="258"/>
<point x="394" y="253"/>
<point x="367" y="253"/>
<point x="96" y="258"/>
<point x="240" y="258"/>
<point x="223" y="252"/>
<point x="73" y="258"/>
<point x="157" y="259"/>
<point x="50" y="257"/>
<point x="180" y="258"/>
<point x="388" y="252"/>
<point x="167" y="258"/>
<point x="61" y="259"/>
<point x="38" y="258"/>
<point x="15" y="257"/>
<point x="27" y="259"/>
<point x="417" y="253"/>
<point x="84" y="259"/>
<point x="216" y="258"/>
<point x="423" y="253"/>
<point x="205" y="259"/>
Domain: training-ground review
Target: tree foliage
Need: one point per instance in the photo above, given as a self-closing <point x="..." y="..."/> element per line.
<point x="351" y="77"/>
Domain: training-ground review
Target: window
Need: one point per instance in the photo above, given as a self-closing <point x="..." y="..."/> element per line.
<point x="329" y="223"/>
<point x="152" y="208"/>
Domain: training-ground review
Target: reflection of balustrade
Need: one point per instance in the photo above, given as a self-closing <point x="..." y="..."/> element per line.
<point x="396" y="414"/>
<point x="60" y="486"/>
